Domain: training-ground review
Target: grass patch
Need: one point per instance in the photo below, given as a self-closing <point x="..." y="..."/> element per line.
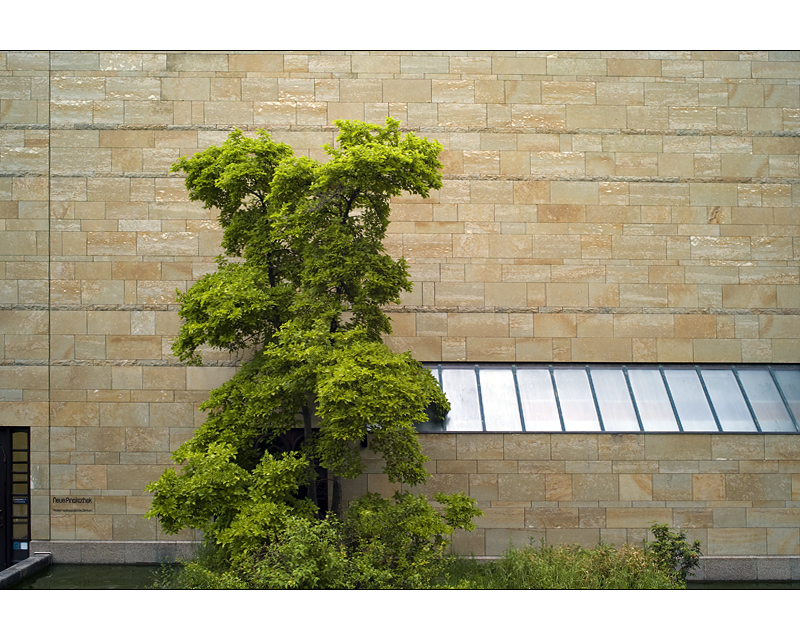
<point x="563" y="567"/>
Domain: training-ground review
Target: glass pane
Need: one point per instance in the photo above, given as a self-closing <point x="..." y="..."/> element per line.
<point x="727" y="399"/>
<point x="19" y="440"/>
<point x="538" y="400"/>
<point x="652" y="400"/>
<point x="690" y="400"/>
<point x="431" y="424"/>
<point x="790" y="385"/>
<point x="500" y="407"/>
<point x="20" y="531"/>
<point x="20" y="510"/>
<point x="765" y="400"/>
<point x="461" y="389"/>
<point x="19" y="456"/>
<point x="19" y="467"/>
<point x="575" y="397"/>
<point x="614" y="400"/>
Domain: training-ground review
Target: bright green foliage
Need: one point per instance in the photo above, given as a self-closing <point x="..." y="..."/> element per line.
<point x="301" y="285"/>
<point x="563" y="567"/>
<point x="401" y="543"/>
<point x="235" y="508"/>
<point x="674" y="554"/>
<point x="380" y="544"/>
<point x="651" y="566"/>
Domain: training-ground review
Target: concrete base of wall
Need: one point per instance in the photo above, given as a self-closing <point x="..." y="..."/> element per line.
<point x="762" y="568"/>
<point x="18" y="572"/>
<point x="88" y="552"/>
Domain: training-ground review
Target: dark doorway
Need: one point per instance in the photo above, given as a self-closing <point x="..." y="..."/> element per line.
<point x="15" y="495"/>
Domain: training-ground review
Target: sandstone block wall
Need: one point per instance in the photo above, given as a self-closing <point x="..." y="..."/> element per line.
<point x="597" y="206"/>
<point x="739" y="494"/>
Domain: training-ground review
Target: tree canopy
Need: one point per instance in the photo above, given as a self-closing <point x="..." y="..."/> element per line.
<point x="300" y="287"/>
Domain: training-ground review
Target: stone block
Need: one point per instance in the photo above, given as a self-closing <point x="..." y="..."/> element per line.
<point x="636" y="486"/>
<point x="574" y="446"/>
<point x="483" y="446"/>
<point x="707" y="487"/>
<point x="470" y="543"/>
<point x="520" y="487"/>
<point x="672" y="486"/>
<point x="501" y="518"/>
<point x="526" y="446"/>
<point x="684" y="446"/>
<point x="737" y="542"/>
<point x="483" y="486"/>
<point x="618" y="446"/>
<point x="595" y="486"/>
<point x="758" y="486"/>
<point x="551" y="518"/>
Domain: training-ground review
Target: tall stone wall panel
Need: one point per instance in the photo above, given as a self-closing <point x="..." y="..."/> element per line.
<point x="596" y="206"/>
<point x="735" y="493"/>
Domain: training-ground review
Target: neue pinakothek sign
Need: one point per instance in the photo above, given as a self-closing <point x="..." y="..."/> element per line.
<point x="72" y="504"/>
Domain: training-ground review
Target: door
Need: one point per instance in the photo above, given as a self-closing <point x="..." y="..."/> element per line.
<point x="15" y="498"/>
<point x="5" y="450"/>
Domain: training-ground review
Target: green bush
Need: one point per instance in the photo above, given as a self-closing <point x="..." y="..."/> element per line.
<point x="563" y="567"/>
<point x="661" y="564"/>
<point x="381" y="543"/>
<point x="673" y="553"/>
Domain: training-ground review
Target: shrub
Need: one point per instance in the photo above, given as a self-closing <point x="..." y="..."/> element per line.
<point x="661" y="564"/>
<point x="381" y="543"/>
<point x="673" y="553"/>
<point x="564" y="567"/>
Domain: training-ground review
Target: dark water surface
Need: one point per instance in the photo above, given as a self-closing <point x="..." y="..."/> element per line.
<point x="92" y="576"/>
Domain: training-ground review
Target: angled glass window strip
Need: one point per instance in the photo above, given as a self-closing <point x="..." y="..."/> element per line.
<point x="538" y="399"/>
<point x="690" y="400"/>
<point x="500" y="406"/>
<point x="461" y="387"/>
<point x="766" y="400"/>
<point x="655" y="409"/>
<point x="789" y="381"/>
<point x="706" y="399"/>
<point x="577" y="403"/>
<point x="726" y="396"/>
<point x="614" y="400"/>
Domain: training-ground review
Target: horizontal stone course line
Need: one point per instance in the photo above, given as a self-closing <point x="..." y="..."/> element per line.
<point x="88" y="307"/>
<point x="117" y="363"/>
<point x="445" y="309"/>
<point x="615" y="178"/>
<point x="594" y="310"/>
<point x="424" y="129"/>
<point x="447" y="176"/>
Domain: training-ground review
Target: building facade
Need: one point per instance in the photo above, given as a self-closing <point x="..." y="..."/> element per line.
<point x="635" y="208"/>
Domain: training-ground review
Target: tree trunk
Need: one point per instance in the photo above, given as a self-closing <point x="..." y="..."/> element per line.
<point x="307" y="433"/>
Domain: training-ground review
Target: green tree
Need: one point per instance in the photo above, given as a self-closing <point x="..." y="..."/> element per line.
<point x="300" y="287"/>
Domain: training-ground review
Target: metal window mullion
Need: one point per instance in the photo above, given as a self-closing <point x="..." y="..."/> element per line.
<point x="746" y="399"/>
<point x="480" y="396"/>
<point x="594" y="397"/>
<point x="671" y="399"/>
<point x="519" y="396"/>
<point x="439" y="368"/>
<point x="558" y="402"/>
<point x="708" y="397"/>
<point x="783" y="397"/>
<point x="633" y="398"/>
